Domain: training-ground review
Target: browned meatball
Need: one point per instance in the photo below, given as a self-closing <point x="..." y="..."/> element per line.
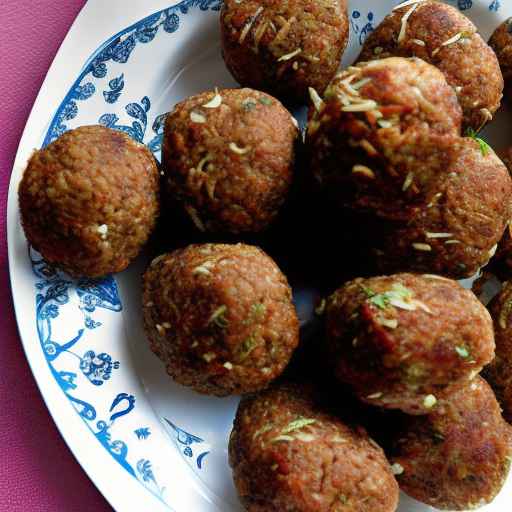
<point x="443" y="36"/>
<point x="289" y="455"/>
<point x="501" y="43"/>
<point x="459" y="456"/>
<point x="499" y="372"/>
<point x="228" y="158"/>
<point x="89" y="200"/>
<point x="457" y="228"/>
<point x="284" y="47"/>
<point x="401" y="341"/>
<point x="373" y="139"/>
<point x="385" y="142"/>
<point x="220" y="317"/>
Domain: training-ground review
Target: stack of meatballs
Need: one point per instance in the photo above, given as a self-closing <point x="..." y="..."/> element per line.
<point x="391" y="140"/>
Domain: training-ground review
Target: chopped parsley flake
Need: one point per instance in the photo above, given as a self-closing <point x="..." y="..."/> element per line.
<point x="484" y="147"/>
<point x="218" y="317"/>
<point x="398" y="293"/>
<point x="265" y="101"/>
<point x="247" y="346"/>
<point x="462" y="351"/>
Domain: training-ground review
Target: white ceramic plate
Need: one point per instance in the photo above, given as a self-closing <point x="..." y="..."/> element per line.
<point x="147" y="443"/>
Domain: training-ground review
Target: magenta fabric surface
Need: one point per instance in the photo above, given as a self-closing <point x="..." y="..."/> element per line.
<point x="38" y="472"/>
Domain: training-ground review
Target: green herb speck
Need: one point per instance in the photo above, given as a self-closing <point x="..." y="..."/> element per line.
<point x="298" y="424"/>
<point x="484" y="147"/>
<point x="265" y="101"/>
<point x="462" y="351"/>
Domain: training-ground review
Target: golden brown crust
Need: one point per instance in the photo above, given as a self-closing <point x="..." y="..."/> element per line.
<point x="89" y="200"/>
<point x="501" y="43"/>
<point x="458" y="457"/>
<point x="229" y="163"/>
<point x="443" y="36"/>
<point x="220" y="317"/>
<point x="401" y="341"/>
<point x="284" y="47"/>
<point x="288" y="455"/>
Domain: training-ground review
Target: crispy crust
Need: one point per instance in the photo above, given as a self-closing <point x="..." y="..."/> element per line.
<point x="220" y="317"/>
<point x="321" y="466"/>
<point x="457" y="458"/>
<point x="230" y="165"/>
<point x="396" y="340"/>
<point x="501" y="43"/>
<point x="284" y="47"/>
<point x="89" y="200"/>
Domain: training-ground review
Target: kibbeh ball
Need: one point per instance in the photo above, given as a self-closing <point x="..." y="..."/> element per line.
<point x="401" y="341"/>
<point x="456" y="229"/>
<point x="499" y="372"/>
<point x="220" y="317"/>
<point x="501" y="43"/>
<point x="284" y="48"/>
<point x="441" y="35"/>
<point x="372" y="141"/>
<point x="228" y="159"/>
<point x="385" y="142"/>
<point x="90" y="200"/>
<point x="287" y="454"/>
<point x="458" y="457"/>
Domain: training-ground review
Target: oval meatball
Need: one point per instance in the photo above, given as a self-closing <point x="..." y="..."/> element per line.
<point x="89" y="200"/>
<point x="501" y="43"/>
<point x="499" y="372"/>
<point x="287" y="454"/>
<point x="441" y="35"/>
<point x="402" y="341"/>
<point x="228" y="159"/>
<point x="458" y="457"/>
<point x="284" y="47"/>
<point x="220" y="317"/>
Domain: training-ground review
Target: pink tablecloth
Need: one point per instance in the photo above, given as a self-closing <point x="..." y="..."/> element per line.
<point x="38" y="472"/>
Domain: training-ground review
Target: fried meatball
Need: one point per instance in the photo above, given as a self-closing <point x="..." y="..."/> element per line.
<point x="220" y="317"/>
<point x="373" y="140"/>
<point x="441" y="35"/>
<point x="501" y="43"/>
<point x="455" y="231"/>
<point x="401" y="341"/>
<point x="89" y="200"/>
<point x="386" y="142"/>
<point x="284" y="47"/>
<point x="289" y="455"/>
<point x="499" y="372"/>
<point x="459" y="456"/>
<point x="228" y="159"/>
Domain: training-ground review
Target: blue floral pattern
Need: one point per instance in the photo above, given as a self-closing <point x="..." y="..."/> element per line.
<point x="360" y="26"/>
<point x="55" y="290"/>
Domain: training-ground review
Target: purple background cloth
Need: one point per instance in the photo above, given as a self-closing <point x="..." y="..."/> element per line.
<point x="38" y="472"/>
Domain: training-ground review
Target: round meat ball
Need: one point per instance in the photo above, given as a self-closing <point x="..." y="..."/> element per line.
<point x="458" y="457"/>
<point x="220" y="317"/>
<point x="501" y="43"/>
<point x="89" y="200"/>
<point x="441" y="35"/>
<point x="499" y="372"/>
<point x="228" y="159"/>
<point x="456" y="229"/>
<point x="284" y="47"/>
<point x="402" y="341"/>
<point x="287" y="454"/>
<point x="373" y="141"/>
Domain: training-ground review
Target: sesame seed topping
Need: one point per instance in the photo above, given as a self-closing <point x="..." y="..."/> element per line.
<point x="160" y="329"/>
<point x="166" y="325"/>
<point x="429" y="401"/>
<point x="419" y="42"/>
<point x="375" y="396"/>
<point x="422" y="247"/>
<point x="195" y="117"/>
<point x="391" y="323"/>
<point x="209" y="356"/>
<point x="295" y="65"/>
<point x="228" y="365"/>
<point x="103" y="230"/>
